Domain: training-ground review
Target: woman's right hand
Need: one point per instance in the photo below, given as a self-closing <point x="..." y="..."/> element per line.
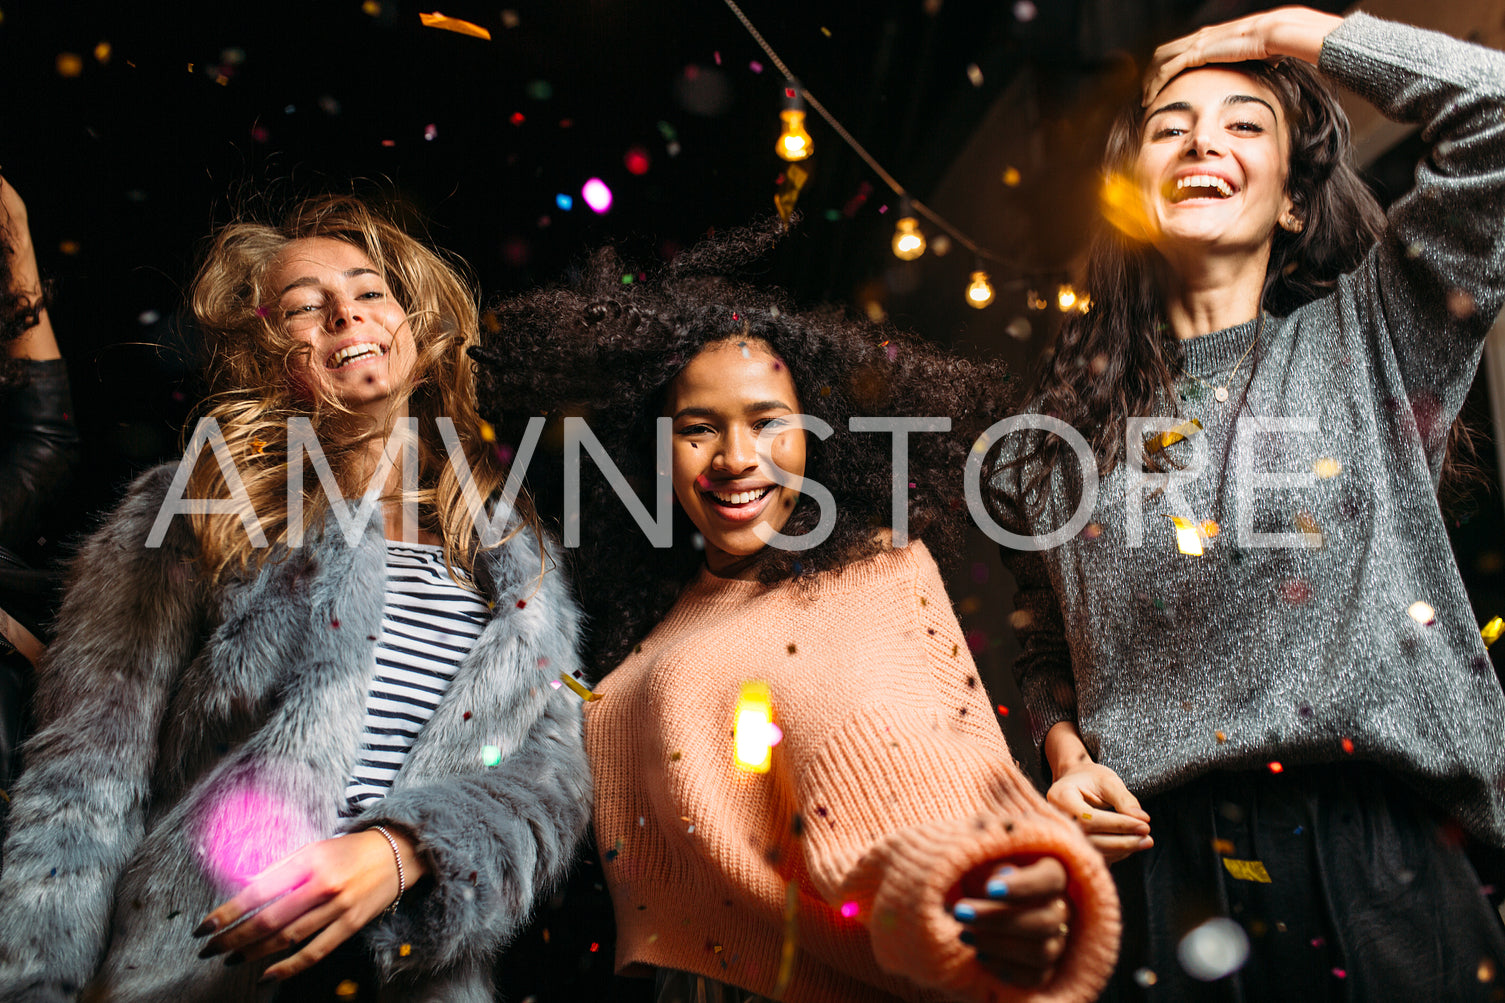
<point x="1110" y="816"/>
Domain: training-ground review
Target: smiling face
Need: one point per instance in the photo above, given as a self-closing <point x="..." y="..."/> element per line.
<point x="1214" y="156"/>
<point x="720" y="403"/>
<point x="331" y="297"/>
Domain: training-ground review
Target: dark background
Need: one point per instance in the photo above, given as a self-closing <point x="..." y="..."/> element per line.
<point x="204" y="111"/>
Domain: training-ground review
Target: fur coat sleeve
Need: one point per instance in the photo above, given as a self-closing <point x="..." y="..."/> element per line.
<point x="496" y="837"/>
<point x="127" y="629"/>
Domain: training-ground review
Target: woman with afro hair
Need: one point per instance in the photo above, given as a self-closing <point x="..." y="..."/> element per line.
<point x="888" y="847"/>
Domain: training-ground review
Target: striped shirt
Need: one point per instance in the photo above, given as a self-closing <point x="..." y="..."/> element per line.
<point x="429" y="624"/>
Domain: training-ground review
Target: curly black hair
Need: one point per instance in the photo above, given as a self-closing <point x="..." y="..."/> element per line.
<point x="609" y="345"/>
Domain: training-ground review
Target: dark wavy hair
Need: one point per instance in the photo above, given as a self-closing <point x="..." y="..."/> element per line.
<point x="19" y="313"/>
<point x="617" y="341"/>
<point x="1114" y="360"/>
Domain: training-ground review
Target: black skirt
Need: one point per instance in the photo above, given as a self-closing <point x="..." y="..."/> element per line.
<point x="1340" y="884"/>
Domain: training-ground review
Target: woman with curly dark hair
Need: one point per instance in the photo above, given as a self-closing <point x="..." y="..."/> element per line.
<point x="1257" y="627"/>
<point x="890" y="825"/>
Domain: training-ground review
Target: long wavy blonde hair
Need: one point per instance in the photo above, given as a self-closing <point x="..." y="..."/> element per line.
<point x="256" y="389"/>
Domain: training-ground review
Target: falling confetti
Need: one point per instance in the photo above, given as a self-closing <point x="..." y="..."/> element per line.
<point x="1247" y="870"/>
<point x="103" y="51"/>
<point x="1217" y="948"/>
<point x="1011" y="176"/>
<point x="491" y="755"/>
<point x="974" y="74"/>
<point x="1486" y="970"/>
<point x="1275" y="767"/>
<point x="1024" y="11"/>
<point x="791" y="939"/>
<point x="584" y="693"/>
<point x="69" y="64"/>
<point x="1492" y="630"/>
<point x="848" y="910"/>
<point x="1185" y="430"/>
<point x="1145" y="977"/>
<point x="788" y="193"/>
<point x="1188" y="537"/>
<point x="510" y="18"/>
<point x="1348" y="746"/>
<point x="1296" y="592"/>
<point x="1461" y="303"/>
<point x="1327" y="468"/>
<point x="454" y="24"/>
<point x="347" y="988"/>
<point x="637" y="161"/>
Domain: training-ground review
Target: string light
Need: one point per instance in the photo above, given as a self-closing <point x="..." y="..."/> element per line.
<point x="1065" y="297"/>
<point x="794" y="142"/>
<point x="980" y="292"/>
<point x="909" y="242"/>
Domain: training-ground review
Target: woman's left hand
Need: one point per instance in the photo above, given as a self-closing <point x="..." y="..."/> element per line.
<point x="1284" y="31"/>
<point x="325" y="891"/>
<point x="1020" y="928"/>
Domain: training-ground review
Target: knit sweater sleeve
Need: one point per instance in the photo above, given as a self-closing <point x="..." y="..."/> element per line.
<point x="1043" y="666"/>
<point x="908" y="797"/>
<point x="128" y="626"/>
<point x="1434" y="283"/>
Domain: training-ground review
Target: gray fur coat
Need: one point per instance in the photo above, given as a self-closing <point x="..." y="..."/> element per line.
<point x="169" y="713"/>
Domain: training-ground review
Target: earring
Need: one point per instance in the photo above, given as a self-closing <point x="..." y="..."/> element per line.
<point x="1292" y="223"/>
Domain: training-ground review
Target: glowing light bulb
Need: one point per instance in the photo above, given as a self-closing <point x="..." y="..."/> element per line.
<point x="1065" y="298"/>
<point x="909" y="242"/>
<point x="980" y="292"/>
<point x="794" y="142"/>
<point x="755" y="734"/>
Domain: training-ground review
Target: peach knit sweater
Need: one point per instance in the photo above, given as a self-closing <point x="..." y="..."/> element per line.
<point x="891" y="783"/>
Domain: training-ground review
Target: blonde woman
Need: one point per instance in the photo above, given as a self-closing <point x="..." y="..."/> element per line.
<point x="272" y="726"/>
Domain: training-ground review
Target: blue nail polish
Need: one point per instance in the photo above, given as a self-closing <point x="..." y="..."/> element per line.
<point x="998" y="888"/>
<point x="964" y="912"/>
<point x="967" y="937"/>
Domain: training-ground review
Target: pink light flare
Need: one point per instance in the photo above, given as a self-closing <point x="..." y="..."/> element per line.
<point x="596" y="195"/>
<point x="246" y="829"/>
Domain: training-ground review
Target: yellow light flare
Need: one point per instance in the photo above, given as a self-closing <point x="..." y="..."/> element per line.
<point x="755" y="734"/>
<point x="1123" y="206"/>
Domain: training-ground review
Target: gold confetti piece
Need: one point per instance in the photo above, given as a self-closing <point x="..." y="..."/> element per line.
<point x="1185" y="430"/>
<point x="1309" y="528"/>
<point x="488" y="434"/>
<point x="68" y="246"/>
<point x="754" y="734"/>
<point x="1492" y="630"/>
<point x="788" y="194"/>
<point x="69" y="64"/>
<point x="454" y="24"/>
<point x="1247" y="870"/>
<point x="791" y="939"/>
<point x="1012" y="177"/>
<point x="1211" y="529"/>
<point x="405" y="950"/>
<point x="371" y="8"/>
<point x="1188" y="538"/>
<point x="1486" y="970"/>
<point x="347" y="988"/>
<point x="102" y="52"/>
<point x="1223" y="847"/>
<point x="574" y="684"/>
<point x="1327" y="468"/>
<point x="1221" y="737"/>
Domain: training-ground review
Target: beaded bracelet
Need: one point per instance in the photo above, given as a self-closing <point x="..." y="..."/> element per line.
<point x="402" y="883"/>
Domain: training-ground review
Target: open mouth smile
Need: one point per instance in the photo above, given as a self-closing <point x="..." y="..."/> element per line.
<point x="739" y="506"/>
<point x="1200" y="186"/>
<point x="353" y="355"/>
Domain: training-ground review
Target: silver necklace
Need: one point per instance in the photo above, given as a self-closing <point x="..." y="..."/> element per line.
<point x="1221" y="393"/>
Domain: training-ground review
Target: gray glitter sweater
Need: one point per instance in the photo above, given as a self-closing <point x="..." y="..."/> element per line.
<point x="1313" y="650"/>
